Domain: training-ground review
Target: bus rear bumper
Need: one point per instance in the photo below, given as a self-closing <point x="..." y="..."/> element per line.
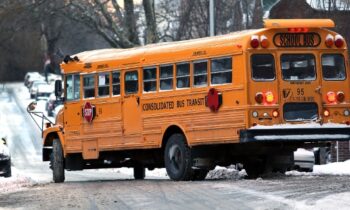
<point x="295" y="134"/>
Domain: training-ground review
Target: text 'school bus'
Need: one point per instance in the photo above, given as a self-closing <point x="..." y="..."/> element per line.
<point x="249" y="97"/>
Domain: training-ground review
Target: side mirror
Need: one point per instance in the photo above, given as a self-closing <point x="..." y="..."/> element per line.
<point x="32" y="106"/>
<point x="58" y="88"/>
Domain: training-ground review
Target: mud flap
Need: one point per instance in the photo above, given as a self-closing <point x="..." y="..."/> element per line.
<point x="90" y="150"/>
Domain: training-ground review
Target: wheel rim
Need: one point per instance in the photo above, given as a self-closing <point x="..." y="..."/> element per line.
<point x="175" y="157"/>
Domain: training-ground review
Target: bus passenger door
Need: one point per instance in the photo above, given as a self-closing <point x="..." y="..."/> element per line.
<point x="131" y="108"/>
<point x="72" y="110"/>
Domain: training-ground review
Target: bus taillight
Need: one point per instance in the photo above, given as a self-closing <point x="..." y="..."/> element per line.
<point x="259" y="97"/>
<point x="331" y="97"/>
<point x="339" y="41"/>
<point x="264" y="42"/>
<point x="340" y="96"/>
<point x="326" y="113"/>
<point x="298" y="30"/>
<point x="329" y="40"/>
<point x="269" y="97"/>
<point x="254" y="42"/>
<point x="275" y="113"/>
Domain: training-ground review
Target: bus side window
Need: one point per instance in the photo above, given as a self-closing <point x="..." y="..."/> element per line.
<point x="89" y="86"/>
<point x="150" y="79"/>
<point x="72" y="87"/>
<point x="166" y="77"/>
<point x="221" y="71"/>
<point x="131" y="82"/>
<point x="116" y="83"/>
<point x="103" y="84"/>
<point x="200" y="73"/>
<point x="183" y="75"/>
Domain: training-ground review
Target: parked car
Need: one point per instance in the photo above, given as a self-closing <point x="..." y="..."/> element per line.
<point x="304" y="160"/>
<point x="43" y="91"/>
<point x="34" y="87"/>
<point x="5" y="159"/>
<point x="30" y="77"/>
<point x="322" y="155"/>
<point x="51" y="104"/>
<point x="51" y="78"/>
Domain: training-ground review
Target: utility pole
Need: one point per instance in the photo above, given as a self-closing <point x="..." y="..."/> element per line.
<point x="211" y="18"/>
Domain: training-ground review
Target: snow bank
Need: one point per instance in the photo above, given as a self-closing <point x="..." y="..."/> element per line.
<point x="15" y="183"/>
<point x="226" y="173"/>
<point x="339" y="168"/>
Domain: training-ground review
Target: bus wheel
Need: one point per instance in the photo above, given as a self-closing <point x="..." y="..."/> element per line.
<point x="139" y="172"/>
<point x="254" y="169"/>
<point x="177" y="158"/>
<point x="57" y="161"/>
<point x="199" y="174"/>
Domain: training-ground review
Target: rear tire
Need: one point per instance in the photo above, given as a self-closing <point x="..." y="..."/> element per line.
<point x="57" y="161"/>
<point x="177" y="158"/>
<point x="139" y="172"/>
<point x="254" y="169"/>
<point x="199" y="174"/>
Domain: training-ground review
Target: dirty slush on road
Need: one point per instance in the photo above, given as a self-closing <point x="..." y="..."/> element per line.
<point x="275" y="191"/>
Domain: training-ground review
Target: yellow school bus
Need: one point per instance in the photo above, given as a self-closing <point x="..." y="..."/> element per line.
<point x="249" y="97"/>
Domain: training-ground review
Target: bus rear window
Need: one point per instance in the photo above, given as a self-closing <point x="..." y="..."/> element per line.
<point x="263" y="67"/>
<point x="333" y="67"/>
<point x="298" y="67"/>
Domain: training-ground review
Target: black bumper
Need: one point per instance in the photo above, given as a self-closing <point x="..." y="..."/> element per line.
<point x="295" y="134"/>
<point x="5" y="166"/>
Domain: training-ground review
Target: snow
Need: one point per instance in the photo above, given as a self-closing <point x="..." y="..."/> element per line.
<point x="339" y="201"/>
<point x="338" y="168"/>
<point x="304" y="152"/>
<point x="15" y="183"/>
<point x="4" y="149"/>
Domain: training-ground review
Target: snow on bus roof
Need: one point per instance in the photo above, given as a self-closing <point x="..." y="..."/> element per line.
<point x="295" y="23"/>
<point x="113" y="53"/>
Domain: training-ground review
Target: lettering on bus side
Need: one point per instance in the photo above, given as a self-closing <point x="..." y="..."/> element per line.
<point x="169" y="105"/>
<point x="199" y="53"/>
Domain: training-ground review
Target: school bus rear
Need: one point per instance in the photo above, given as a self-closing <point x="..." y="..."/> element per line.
<point x="298" y="83"/>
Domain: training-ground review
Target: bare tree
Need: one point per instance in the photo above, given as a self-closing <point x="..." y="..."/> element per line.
<point x="257" y="20"/>
<point x="115" y="24"/>
<point x="151" y="27"/>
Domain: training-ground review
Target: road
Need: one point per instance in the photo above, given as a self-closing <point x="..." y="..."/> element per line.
<point x="114" y="189"/>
